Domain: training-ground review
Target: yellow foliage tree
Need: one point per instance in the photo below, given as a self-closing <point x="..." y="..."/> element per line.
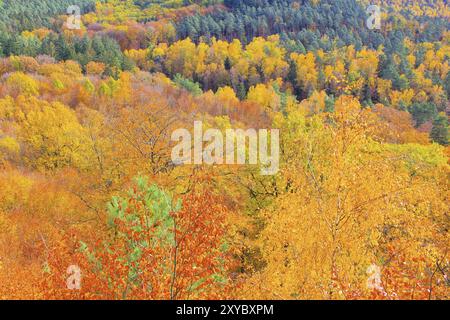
<point x="22" y="84"/>
<point x="342" y="201"/>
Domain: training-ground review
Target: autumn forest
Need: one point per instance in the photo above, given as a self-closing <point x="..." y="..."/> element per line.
<point x="94" y="207"/>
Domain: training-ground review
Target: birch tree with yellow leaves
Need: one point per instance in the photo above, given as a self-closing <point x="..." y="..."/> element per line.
<point x="347" y="199"/>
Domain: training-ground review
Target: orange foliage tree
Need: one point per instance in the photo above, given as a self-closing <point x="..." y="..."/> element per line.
<point x="157" y="248"/>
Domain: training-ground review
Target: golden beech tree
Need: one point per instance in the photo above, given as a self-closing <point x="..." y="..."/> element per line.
<point x="265" y="96"/>
<point x="51" y="134"/>
<point x="307" y="75"/>
<point x="182" y="58"/>
<point x="268" y="56"/>
<point x="22" y="84"/>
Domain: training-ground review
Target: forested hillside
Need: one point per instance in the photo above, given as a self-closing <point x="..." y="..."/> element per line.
<point x="357" y="210"/>
<point x="20" y="15"/>
<point x="311" y="25"/>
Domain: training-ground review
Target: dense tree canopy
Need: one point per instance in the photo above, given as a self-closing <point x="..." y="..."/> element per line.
<point x="357" y="210"/>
